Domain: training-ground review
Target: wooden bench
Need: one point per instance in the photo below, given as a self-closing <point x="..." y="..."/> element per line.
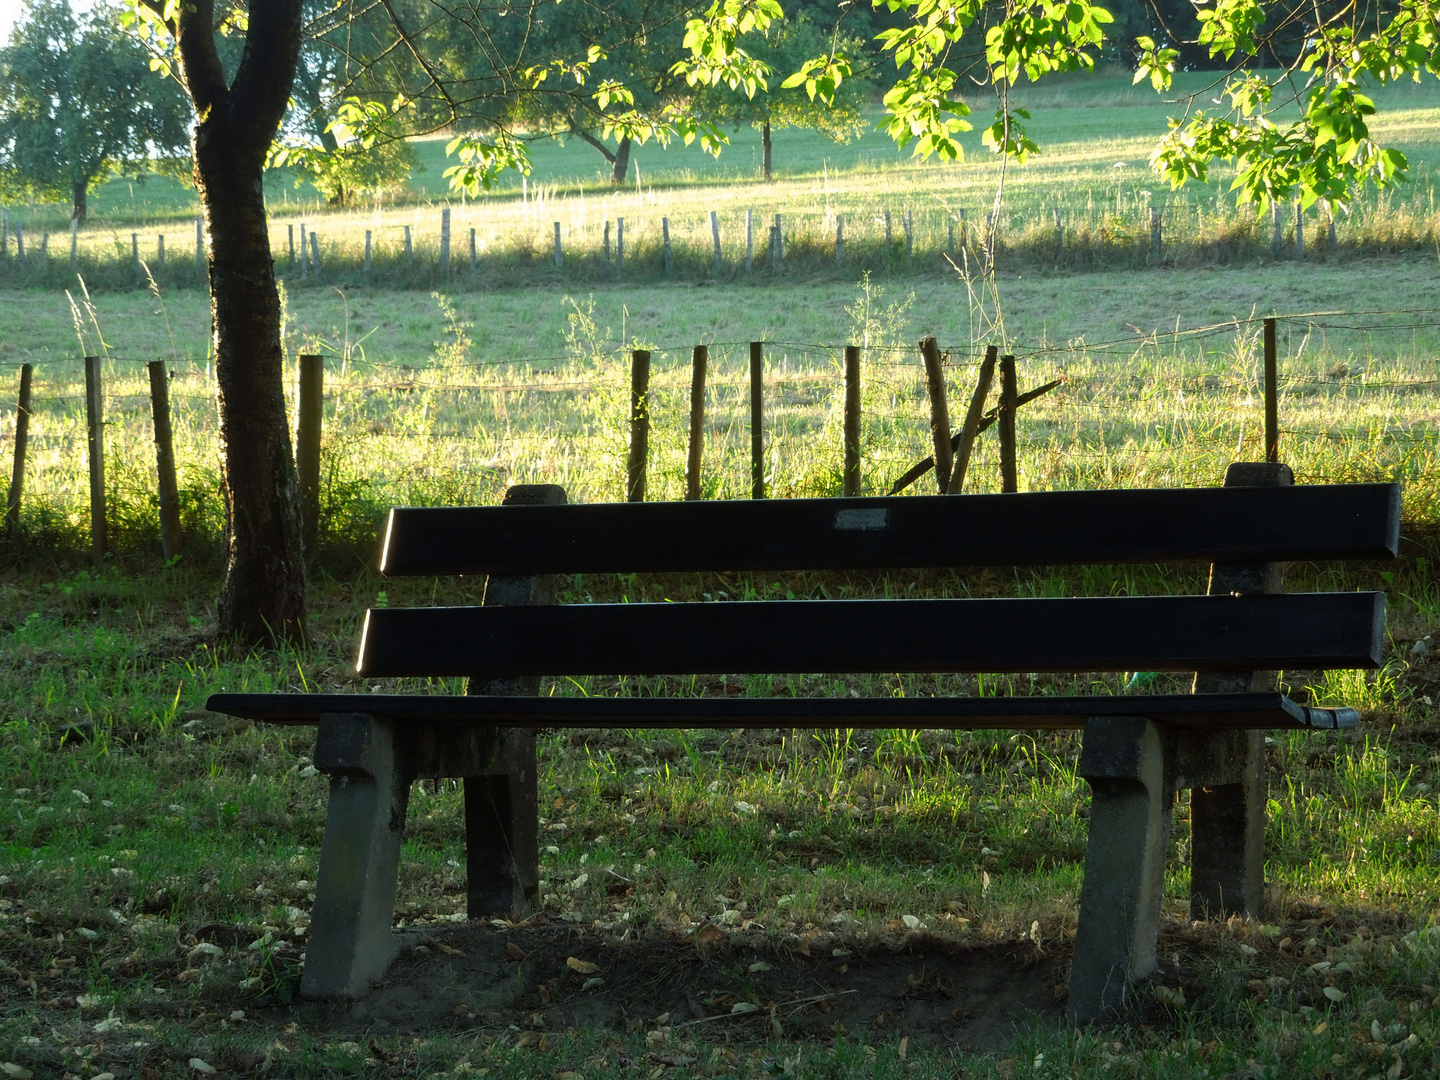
<point x="1137" y="750"/>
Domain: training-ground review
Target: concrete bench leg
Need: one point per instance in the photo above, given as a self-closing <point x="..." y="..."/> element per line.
<point x="351" y="944"/>
<point x="1227" y="838"/>
<point x="502" y="850"/>
<point x="1124" y="759"/>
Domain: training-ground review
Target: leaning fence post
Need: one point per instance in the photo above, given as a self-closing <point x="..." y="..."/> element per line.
<point x="939" y="411"/>
<point x="22" y="436"/>
<point x="1272" y="400"/>
<point x="639" y="425"/>
<point x="168" y="488"/>
<point x="971" y="428"/>
<point x="365" y="274"/>
<point x="850" y="482"/>
<point x="699" y="360"/>
<point x="444" y="240"/>
<point x="839" y="239"/>
<point x="307" y="443"/>
<point x="715" y="237"/>
<point x="315" y="268"/>
<point x="1009" y="477"/>
<point x="95" y="438"/>
<point x="1299" y="232"/>
<point x="757" y="419"/>
<point x="669" y="254"/>
<point x="559" y="251"/>
<point x="749" y="240"/>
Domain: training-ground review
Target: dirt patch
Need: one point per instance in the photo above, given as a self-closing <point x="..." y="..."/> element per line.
<point x="558" y="976"/>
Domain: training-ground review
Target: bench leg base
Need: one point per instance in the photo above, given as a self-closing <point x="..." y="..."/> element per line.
<point x="502" y="844"/>
<point x="351" y="944"/>
<point x="1227" y="839"/>
<point x="1125" y="762"/>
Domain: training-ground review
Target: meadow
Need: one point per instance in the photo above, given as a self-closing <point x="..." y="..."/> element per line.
<point x="904" y="900"/>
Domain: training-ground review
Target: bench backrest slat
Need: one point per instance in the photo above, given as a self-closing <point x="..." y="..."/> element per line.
<point x="1235" y="524"/>
<point x="1147" y="633"/>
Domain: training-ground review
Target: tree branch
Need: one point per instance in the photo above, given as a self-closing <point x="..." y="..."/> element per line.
<point x="200" y="69"/>
<point x="266" y="76"/>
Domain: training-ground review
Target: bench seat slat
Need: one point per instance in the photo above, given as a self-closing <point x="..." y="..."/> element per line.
<point x="1247" y="710"/>
<point x="1300" y="631"/>
<point x="1233" y="524"/>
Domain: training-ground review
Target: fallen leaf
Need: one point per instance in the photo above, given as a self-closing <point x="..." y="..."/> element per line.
<point x="776" y="1030"/>
<point x="515" y="952"/>
<point x="203" y="1067"/>
<point x="449" y="950"/>
<point x="757" y="967"/>
<point x="1174" y="998"/>
<point x="591" y="984"/>
<point x="105" y="1027"/>
<point x="1334" y="993"/>
<point x="654" y="1040"/>
<point x="673" y="1059"/>
<point x="19" y="1072"/>
<point x="581" y="967"/>
<point x="709" y="934"/>
<point x="903" y="1049"/>
<point x="744" y="1007"/>
<point x="528" y="1039"/>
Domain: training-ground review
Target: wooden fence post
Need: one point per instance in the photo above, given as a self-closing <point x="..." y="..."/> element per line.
<point x="715" y="237"/>
<point x="619" y="247"/>
<point x="20" y="245"/>
<point x="850" y="482"/>
<point x="699" y="360"/>
<point x="315" y="268"/>
<point x="909" y="238"/>
<point x="839" y="239"/>
<point x="307" y="443"/>
<point x="135" y="255"/>
<point x="168" y="488"/>
<point x="365" y="274"/>
<point x="1009" y="477"/>
<point x="939" y="411"/>
<point x="779" y="245"/>
<point x="606" y="242"/>
<point x="44" y="251"/>
<point x="160" y="251"/>
<point x="757" y="419"/>
<point x="409" y="247"/>
<point x="950" y="239"/>
<point x="669" y="254"/>
<point x="559" y="251"/>
<point x="95" y="438"/>
<point x="639" y="425"/>
<point x="74" y="244"/>
<point x="1272" y="400"/>
<point x="474" y="258"/>
<point x="22" y="436"/>
<point x="290" y="232"/>
<point x="749" y="240"/>
<point x="1299" y="232"/>
<point x="971" y="428"/>
<point x="445" y="240"/>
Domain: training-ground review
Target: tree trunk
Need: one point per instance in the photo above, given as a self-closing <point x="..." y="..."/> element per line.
<point x="77" y="200"/>
<point x="622" y="162"/>
<point x="262" y="596"/>
<point x="765" y="148"/>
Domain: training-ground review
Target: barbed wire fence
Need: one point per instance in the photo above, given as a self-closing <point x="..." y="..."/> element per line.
<point x="440" y="432"/>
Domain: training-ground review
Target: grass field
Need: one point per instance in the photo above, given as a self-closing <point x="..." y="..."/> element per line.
<point x="904" y="900"/>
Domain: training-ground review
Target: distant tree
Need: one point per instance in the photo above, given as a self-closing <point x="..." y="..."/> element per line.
<point x="785" y="45"/>
<point x="78" y="104"/>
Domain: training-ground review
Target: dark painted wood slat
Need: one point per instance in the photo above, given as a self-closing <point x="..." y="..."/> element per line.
<point x="1145" y="633"/>
<point x="1344" y="521"/>
<point x="1249" y="710"/>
